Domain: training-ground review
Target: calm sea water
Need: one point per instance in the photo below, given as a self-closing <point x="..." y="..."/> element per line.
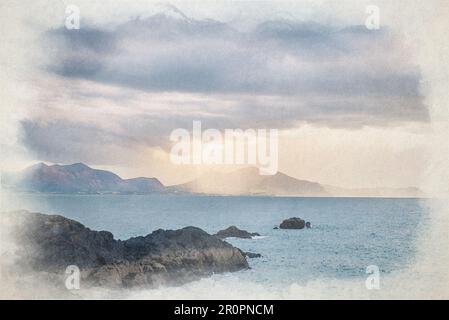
<point x="347" y="234"/>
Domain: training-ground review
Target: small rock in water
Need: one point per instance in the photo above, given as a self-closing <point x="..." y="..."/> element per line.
<point x="252" y="255"/>
<point x="308" y="226"/>
<point x="293" y="223"/>
<point x="235" y="232"/>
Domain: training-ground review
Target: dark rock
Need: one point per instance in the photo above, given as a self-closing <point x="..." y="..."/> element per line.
<point x="235" y="232"/>
<point x="50" y="243"/>
<point x="252" y="255"/>
<point x="293" y="223"/>
<point x="275" y="228"/>
<point x="308" y="226"/>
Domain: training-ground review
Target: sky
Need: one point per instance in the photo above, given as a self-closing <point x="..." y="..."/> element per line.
<point x="348" y="101"/>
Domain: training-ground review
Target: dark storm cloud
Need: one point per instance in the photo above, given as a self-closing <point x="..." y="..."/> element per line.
<point x="162" y="53"/>
<point x="64" y="141"/>
<point x="278" y="75"/>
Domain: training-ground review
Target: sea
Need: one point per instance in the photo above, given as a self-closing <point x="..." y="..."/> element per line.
<point x="349" y="238"/>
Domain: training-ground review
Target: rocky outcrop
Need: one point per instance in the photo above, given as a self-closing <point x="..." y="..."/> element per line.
<point x="252" y="255"/>
<point x="235" y="232"/>
<point x="293" y="223"/>
<point x="50" y="243"/>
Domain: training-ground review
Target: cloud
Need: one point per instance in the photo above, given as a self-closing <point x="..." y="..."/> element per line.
<point x="64" y="142"/>
<point x="166" y="53"/>
<point x="129" y="85"/>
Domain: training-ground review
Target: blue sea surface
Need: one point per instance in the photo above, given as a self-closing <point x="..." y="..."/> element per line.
<point x="347" y="234"/>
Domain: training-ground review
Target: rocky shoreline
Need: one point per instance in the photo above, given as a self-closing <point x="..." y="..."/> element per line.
<point x="50" y="243"/>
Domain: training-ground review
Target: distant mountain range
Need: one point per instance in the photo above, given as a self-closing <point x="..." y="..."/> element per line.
<point x="76" y="178"/>
<point x="79" y="178"/>
<point x="248" y="181"/>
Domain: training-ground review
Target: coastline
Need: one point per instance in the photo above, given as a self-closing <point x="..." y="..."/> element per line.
<point x="53" y="243"/>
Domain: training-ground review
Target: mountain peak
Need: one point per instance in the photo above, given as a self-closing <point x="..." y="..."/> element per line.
<point x="78" y="178"/>
<point x="36" y="167"/>
<point x="78" y="165"/>
<point x="248" y="180"/>
<point x="39" y="165"/>
<point x="172" y="11"/>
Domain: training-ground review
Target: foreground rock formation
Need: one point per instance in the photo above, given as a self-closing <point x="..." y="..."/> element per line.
<point x="235" y="232"/>
<point x="50" y="243"/>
